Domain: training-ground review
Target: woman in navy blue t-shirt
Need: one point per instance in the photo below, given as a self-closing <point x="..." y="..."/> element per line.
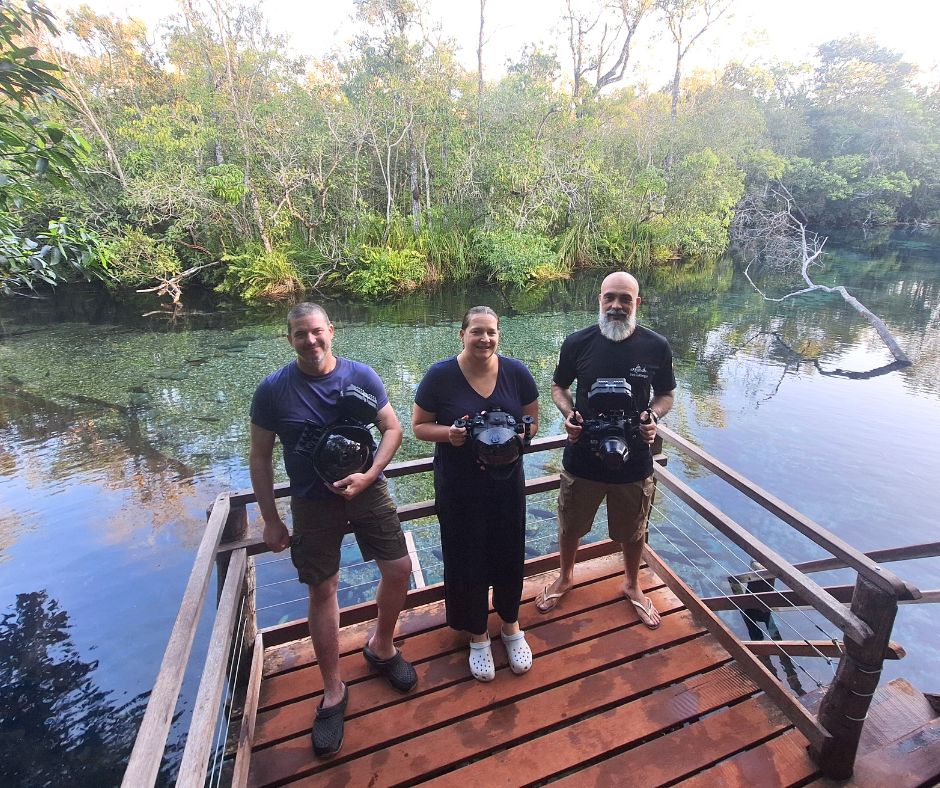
<point x="482" y="518"/>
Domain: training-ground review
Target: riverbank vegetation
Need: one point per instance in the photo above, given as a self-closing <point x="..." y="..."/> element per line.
<point x="209" y="150"/>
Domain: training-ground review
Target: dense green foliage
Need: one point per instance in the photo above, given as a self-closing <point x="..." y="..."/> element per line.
<point x="36" y="154"/>
<point x="387" y="167"/>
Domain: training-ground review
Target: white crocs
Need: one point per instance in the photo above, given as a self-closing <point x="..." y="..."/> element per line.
<point x="518" y="651"/>
<point x="481" y="661"/>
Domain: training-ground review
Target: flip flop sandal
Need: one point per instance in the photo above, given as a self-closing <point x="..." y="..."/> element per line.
<point x="546" y="598"/>
<point x="328" y="727"/>
<point x="481" y="661"/>
<point x="648" y="610"/>
<point x="397" y="670"/>
<point x="518" y="651"/>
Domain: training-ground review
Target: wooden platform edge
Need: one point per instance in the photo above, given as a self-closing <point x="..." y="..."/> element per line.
<point x="295" y="630"/>
<point x="756" y="671"/>
<point x="246" y="734"/>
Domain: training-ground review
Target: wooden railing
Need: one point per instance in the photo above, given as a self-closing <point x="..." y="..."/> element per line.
<point x="833" y="736"/>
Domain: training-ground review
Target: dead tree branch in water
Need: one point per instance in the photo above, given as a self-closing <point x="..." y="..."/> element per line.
<point x="171" y="285"/>
<point x="766" y="228"/>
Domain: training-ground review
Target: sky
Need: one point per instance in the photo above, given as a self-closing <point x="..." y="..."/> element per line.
<point x="757" y="29"/>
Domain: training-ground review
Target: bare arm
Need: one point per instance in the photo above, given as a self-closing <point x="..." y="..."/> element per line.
<point x="660" y="405"/>
<point x="392" y="436"/>
<point x="565" y="403"/>
<point x="261" y="470"/>
<point x="427" y="429"/>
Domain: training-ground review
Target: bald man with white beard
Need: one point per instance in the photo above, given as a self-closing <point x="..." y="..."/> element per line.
<point x="616" y="347"/>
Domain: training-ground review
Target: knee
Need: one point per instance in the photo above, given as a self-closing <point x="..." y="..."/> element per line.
<point x="325" y="592"/>
<point x="396" y="571"/>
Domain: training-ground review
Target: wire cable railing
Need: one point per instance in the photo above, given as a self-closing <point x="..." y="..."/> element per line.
<point x="728" y="573"/>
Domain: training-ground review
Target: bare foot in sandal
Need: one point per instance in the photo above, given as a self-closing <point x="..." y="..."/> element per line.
<point x="645" y="611"/>
<point x="548" y="597"/>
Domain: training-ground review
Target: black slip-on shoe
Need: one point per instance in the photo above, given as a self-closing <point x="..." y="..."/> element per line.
<point x="328" y="728"/>
<point x="398" y="670"/>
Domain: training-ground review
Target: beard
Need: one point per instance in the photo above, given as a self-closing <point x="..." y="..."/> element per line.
<point x="616" y="330"/>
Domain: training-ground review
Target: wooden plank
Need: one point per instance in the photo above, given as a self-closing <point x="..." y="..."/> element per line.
<point x="416" y="572"/>
<point x="913" y="762"/>
<point x="853" y="627"/>
<point x="781" y="762"/>
<point x="192" y="771"/>
<point x="661" y="761"/>
<point x="766" y="680"/>
<point x="306" y="681"/>
<point x="601" y="735"/>
<point x="144" y="763"/>
<point x="505" y="725"/>
<point x="299" y="653"/>
<point x="782" y="601"/>
<point x="811" y="648"/>
<point x="843" y="550"/>
<point x="396" y="469"/>
<point x="909" y="553"/>
<point x="406" y="512"/>
<point x="897" y="710"/>
<point x="293" y="630"/>
<point x="606" y="629"/>
<point x="775" y="600"/>
<point x="417" y="714"/>
<point x="246" y="733"/>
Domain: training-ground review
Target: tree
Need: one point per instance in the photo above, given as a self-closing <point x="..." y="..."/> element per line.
<point x="779" y="243"/>
<point x="34" y="152"/>
<point x="870" y="136"/>
<point x="687" y="21"/>
<point x="600" y="37"/>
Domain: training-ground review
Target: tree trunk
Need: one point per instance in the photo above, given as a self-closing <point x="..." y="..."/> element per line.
<point x="415" y="186"/>
<point x="242" y="133"/>
<point x="480" y="74"/>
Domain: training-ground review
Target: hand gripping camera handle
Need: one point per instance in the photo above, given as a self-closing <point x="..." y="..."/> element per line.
<point x="527" y="422"/>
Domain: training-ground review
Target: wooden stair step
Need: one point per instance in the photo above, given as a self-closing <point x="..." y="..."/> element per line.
<point x="911" y="762"/>
<point x="897" y="709"/>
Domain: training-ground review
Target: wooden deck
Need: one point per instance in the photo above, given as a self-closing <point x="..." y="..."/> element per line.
<point x="608" y="702"/>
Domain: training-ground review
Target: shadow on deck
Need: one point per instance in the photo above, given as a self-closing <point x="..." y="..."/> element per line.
<point x="608" y="702"/>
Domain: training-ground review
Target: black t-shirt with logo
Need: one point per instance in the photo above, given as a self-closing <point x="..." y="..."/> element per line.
<point x="644" y="359"/>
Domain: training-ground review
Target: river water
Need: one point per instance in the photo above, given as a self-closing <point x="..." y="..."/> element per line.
<point x="117" y="430"/>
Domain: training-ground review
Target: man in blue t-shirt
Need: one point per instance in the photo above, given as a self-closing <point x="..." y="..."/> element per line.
<point x="615" y="347"/>
<point x="308" y="390"/>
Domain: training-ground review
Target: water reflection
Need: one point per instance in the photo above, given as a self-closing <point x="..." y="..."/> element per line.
<point x="57" y="726"/>
<point x="116" y="430"/>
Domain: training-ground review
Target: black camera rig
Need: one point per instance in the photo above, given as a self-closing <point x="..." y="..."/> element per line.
<point x="497" y="439"/>
<point x="346" y="447"/>
<point x="615" y="430"/>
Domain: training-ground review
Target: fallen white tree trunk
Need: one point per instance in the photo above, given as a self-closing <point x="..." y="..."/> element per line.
<point x="783" y="242"/>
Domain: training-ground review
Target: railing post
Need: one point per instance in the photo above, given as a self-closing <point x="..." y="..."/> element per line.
<point x="845" y="707"/>
<point x="236" y="529"/>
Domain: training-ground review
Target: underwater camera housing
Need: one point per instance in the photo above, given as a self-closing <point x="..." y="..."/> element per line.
<point x="345" y="447"/>
<point x="497" y="439"/>
<point x="617" y="425"/>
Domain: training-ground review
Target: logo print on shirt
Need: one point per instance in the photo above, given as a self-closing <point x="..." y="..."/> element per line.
<point x="639" y="372"/>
